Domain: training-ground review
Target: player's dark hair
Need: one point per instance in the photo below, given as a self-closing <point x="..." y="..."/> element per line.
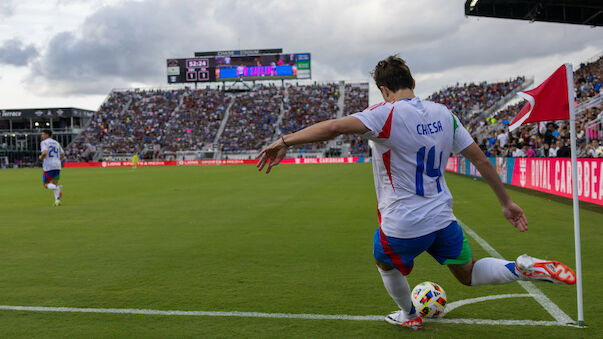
<point x="393" y="73"/>
<point x="47" y="131"/>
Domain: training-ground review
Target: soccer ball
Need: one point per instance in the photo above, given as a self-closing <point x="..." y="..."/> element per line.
<point x="429" y="299"/>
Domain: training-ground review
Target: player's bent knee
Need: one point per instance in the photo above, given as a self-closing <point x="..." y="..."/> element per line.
<point x="383" y="265"/>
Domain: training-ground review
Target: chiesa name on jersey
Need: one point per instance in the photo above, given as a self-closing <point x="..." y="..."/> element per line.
<point x="430" y="128"/>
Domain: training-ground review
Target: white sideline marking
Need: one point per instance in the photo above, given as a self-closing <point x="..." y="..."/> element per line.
<point x="271" y="315"/>
<point x="535" y="292"/>
<point x="495" y="322"/>
<point x="456" y="304"/>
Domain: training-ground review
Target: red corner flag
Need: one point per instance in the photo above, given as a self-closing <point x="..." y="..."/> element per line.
<point x="554" y="100"/>
<point x="547" y="102"/>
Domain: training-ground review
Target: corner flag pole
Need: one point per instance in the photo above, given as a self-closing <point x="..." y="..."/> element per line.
<point x="572" y="110"/>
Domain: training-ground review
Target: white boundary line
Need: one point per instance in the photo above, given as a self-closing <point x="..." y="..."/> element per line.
<point x="271" y="315"/>
<point x="562" y="319"/>
<point x="535" y="292"/>
<point x="456" y="304"/>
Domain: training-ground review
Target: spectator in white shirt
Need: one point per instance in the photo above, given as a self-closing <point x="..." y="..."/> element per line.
<point x="553" y="150"/>
<point x="502" y="138"/>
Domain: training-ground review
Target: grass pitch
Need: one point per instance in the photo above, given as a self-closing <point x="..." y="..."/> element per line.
<point x="231" y="239"/>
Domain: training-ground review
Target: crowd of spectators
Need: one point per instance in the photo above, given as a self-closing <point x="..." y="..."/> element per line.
<point x="161" y="121"/>
<point x="168" y="121"/>
<point x="545" y="140"/>
<point x="468" y="99"/>
<point x="252" y="120"/>
<point x="186" y="120"/>
<point x="143" y="123"/>
<point x="588" y="79"/>
<point x="83" y="147"/>
<point x="307" y="105"/>
<point x="356" y="100"/>
<point x="195" y="124"/>
<point x="550" y="139"/>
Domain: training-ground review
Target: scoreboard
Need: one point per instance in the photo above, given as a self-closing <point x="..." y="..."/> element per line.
<point x="190" y="70"/>
<point x="213" y="68"/>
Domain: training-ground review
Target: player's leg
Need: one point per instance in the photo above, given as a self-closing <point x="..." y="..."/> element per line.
<point x="396" y="285"/>
<point x="451" y="248"/>
<point x="50" y="179"/>
<point x="58" y="192"/>
<point x="47" y="181"/>
<point x="394" y="259"/>
<point x="494" y="271"/>
<point x="462" y="272"/>
<point x="486" y="271"/>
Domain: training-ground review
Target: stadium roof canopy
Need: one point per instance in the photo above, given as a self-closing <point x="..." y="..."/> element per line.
<point x="581" y="12"/>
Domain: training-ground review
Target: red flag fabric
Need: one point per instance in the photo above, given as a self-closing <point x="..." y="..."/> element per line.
<point x="547" y="102"/>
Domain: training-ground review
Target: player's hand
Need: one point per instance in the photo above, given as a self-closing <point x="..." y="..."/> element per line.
<point x="516" y="217"/>
<point x="271" y="155"/>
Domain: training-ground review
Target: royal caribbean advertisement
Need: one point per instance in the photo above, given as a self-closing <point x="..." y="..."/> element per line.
<point x="550" y="175"/>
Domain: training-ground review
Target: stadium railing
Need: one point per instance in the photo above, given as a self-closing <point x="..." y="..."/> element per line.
<point x="591" y="102"/>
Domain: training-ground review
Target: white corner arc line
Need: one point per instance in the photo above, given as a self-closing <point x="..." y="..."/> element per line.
<point x="535" y="292"/>
<point x="271" y="315"/>
<point x="456" y="304"/>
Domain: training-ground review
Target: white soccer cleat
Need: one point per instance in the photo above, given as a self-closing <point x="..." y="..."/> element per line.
<point x="544" y="270"/>
<point x="401" y="318"/>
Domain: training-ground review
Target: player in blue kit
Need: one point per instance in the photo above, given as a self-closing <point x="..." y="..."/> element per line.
<point x="411" y="141"/>
<point x="52" y="154"/>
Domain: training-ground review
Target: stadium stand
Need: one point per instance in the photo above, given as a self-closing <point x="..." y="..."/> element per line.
<point x="161" y="123"/>
<point x="252" y="120"/>
<point x="356" y="100"/>
<point x="469" y="100"/>
<point x="84" y="147"/>
<point x="127" y="122"/>
<point x="307" y="105"/>
<point x="195" y="123"/>
<point x="549" y="139"/>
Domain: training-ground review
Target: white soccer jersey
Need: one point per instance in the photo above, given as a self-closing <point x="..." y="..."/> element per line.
<point x="412" y="140"/>
<point x="52" y="161"/>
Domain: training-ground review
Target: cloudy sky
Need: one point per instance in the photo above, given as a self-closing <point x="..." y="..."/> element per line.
<point x="73" y="52"/>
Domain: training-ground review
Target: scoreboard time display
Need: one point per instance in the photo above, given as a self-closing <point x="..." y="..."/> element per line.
<point x="190" y="70"/>
<point x="213" y="68"/>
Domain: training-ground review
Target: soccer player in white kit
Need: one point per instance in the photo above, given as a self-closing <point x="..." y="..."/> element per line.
<point x="411" y="142"/>
<point x="52" y="154"/>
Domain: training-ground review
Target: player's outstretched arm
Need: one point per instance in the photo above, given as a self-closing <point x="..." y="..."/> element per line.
<point x="324" y="130"/>
<point x="510" y="210"/>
